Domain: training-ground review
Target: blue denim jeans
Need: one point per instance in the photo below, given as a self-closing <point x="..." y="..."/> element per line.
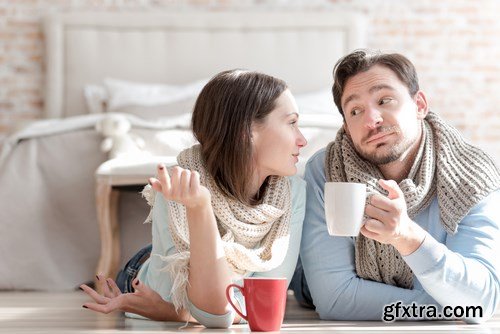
<point x="300" y="287"/>
<point x="129" y="272"/>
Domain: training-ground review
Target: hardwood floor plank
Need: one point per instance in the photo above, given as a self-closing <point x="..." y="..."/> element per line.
<point x="38" y="312"/>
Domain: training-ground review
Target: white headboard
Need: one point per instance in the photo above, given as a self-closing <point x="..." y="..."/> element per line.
<point x="84" y="48"/>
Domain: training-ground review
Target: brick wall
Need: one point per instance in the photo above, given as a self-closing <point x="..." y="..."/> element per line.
<point x="453" y="43"/>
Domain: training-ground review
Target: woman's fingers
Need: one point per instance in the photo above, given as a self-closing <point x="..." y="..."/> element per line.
<point x="105" y="288"/>
<point x="195" y="182"/>
<point x="114" y="288"/>
<point x="112" y="305"/>
<point x="139" y="287"/>
<point x="163" y="177"/>
<point x="156" y="184"/>
<point x="184" y="182"/>
<point x="94" y="295"/>
<point x="175" y="181"/>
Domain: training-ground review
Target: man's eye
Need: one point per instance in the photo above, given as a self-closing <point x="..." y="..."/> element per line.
<point x="385" y="100"/>
<point x="355" y="112"/>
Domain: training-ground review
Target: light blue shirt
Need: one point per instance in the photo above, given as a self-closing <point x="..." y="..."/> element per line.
<point x="152" y="274"/>
<point x="459" y="269"/>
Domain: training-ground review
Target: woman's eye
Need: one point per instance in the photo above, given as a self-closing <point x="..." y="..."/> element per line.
<point x="354" y="112"/>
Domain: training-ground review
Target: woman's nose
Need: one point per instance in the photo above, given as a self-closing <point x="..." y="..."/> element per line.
<point x="301" y="141"/>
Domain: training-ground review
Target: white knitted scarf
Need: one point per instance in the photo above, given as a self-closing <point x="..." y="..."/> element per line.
<point x="460" y="174"/>
<point x="255" y="238"/>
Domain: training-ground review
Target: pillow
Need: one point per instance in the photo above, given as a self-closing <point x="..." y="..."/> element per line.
<point x="156" y="112"/>
<point x="318" y="102"/>
<point x="317" y="109"/>
<point x="149" y="101"/>
<point x="95" y="97"/>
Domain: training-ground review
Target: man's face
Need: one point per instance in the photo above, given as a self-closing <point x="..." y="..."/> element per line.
<point x="382" y="119"/>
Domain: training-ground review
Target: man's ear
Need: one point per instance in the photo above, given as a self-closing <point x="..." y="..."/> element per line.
<point x="422" y="107"/>
<point x="346" y="129"/>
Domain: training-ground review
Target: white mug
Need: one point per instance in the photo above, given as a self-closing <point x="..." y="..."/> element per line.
<point x="344" y="207"/>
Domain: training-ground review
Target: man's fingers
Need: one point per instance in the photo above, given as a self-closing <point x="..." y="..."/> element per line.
<point x="374" y="226"/>
<point x="371" y="235"/>
<point x="376" y="213"/>
<point x="392" y="187"/>
<point x="381" y="202"/>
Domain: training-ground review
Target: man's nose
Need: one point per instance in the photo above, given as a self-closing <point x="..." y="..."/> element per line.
<point x="373" y="118"/>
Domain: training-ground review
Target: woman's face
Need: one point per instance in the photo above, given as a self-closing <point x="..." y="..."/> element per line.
<point x="277" y="141"/>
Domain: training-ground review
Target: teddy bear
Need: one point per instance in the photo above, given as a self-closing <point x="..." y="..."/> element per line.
<point x="117" y="139"/>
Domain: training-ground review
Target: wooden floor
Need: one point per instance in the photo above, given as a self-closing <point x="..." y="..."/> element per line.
<point x="34" y="312"/>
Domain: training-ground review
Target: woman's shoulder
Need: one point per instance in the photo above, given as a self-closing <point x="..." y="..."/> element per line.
<point x="297" y="183"/>
<point x="298" y="188"/>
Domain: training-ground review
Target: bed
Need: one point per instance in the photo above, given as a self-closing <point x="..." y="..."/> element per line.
<point x="50" y="238"/>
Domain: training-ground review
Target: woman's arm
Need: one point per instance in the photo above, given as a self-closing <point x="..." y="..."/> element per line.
<point x="143" y="301"/>
<point x="209" y="273"/>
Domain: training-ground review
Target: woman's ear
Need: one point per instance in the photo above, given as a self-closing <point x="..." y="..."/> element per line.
<point x="254" y="133"/>
<point x="422" y="107"/>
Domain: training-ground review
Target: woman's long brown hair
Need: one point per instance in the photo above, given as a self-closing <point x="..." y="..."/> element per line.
<point x="227" y="107"/>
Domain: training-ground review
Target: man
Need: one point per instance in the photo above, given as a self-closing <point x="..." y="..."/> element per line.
<point x="431" y="232"/>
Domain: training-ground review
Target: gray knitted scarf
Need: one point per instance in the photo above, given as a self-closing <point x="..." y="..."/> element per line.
<point x="460" y="174"/>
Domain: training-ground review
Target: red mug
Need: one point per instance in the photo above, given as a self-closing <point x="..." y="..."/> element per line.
<point x="265" y="300"/>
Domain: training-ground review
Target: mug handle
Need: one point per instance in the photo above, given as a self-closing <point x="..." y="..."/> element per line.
<point x="231" y="302"/>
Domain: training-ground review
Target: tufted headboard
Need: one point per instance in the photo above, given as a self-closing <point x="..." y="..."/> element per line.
<point x="176" y="48"/>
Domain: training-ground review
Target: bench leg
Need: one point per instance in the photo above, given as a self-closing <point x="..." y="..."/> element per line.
<point x="107" y="206"/>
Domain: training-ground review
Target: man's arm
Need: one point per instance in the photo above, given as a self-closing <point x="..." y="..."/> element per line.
<point x="464" y="271"/>
<point x="338" y="293"/>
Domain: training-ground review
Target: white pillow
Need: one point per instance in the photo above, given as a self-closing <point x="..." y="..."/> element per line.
<point x="126" y="93"/>
<point x="95" y="97"/>
<point x="148" y="101"/>
<point x="318" y="102"/>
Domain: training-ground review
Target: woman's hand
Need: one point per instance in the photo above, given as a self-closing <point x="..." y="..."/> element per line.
<point x="183" y="187"/>
<point x="143" y="301"/>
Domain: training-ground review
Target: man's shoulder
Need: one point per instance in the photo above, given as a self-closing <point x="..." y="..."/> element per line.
<point x="489" y="204"/>
<point x="315" y="167"/>
<point x="317" y="159"/>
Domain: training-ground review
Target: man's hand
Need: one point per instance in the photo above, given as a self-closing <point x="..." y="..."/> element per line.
<point x="182" y="186"/>
<point x="389" y="222"/>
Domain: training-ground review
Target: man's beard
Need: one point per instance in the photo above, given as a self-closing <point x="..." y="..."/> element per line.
<point x="381" y="156"/>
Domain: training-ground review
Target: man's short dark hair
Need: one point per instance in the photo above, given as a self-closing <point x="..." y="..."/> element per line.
<point x="362" y="60"/>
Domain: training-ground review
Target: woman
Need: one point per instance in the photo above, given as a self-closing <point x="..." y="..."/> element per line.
<point x="227" y="211"/>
